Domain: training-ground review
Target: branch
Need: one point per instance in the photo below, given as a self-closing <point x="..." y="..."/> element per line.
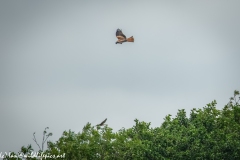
<point x="34" y="138"/>
<point x="43" y="137"/>
<point x="44" y="133"/>
<point x="50" y="134"/>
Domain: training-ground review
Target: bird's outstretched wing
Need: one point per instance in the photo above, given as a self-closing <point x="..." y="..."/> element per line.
<point x="120" y="35"/>
<point x="102" y="123"/>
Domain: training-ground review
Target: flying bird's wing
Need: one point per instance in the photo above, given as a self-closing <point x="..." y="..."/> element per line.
<point x="102" y="123"/>
<point x="120" y="35"/>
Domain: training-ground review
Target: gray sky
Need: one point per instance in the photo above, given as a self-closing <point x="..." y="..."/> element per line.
<point x="60" y="66"/>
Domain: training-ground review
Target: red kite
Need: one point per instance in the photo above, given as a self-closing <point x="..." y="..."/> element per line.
<point x="102" y="123"/>
<point x="122" y="38"/>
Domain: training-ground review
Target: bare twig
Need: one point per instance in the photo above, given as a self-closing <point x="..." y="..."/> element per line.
<point x="44" y="133"/>
<point x="45" y="137"/>
<point x="50" y="134"/>
<point x="34" y="138"/>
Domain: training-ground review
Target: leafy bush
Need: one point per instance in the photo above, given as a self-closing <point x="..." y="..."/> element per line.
<point x="208" y="133"/>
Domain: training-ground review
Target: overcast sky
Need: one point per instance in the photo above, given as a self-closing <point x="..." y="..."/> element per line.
<point x="60" y="66"/>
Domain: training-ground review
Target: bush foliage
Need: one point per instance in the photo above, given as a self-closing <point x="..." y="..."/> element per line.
<point x="207" y="133"/>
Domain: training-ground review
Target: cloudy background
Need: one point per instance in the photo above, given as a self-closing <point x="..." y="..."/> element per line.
<point x="60" y="66"/>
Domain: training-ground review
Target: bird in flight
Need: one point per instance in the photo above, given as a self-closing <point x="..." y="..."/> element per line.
<point x="102" y="123"/>
<point x="122" y="38"/>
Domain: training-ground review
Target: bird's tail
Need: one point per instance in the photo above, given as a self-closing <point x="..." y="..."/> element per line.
<point x="130" y="39"/>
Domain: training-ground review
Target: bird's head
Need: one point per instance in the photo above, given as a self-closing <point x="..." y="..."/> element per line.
<point x="119" y="30"/>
